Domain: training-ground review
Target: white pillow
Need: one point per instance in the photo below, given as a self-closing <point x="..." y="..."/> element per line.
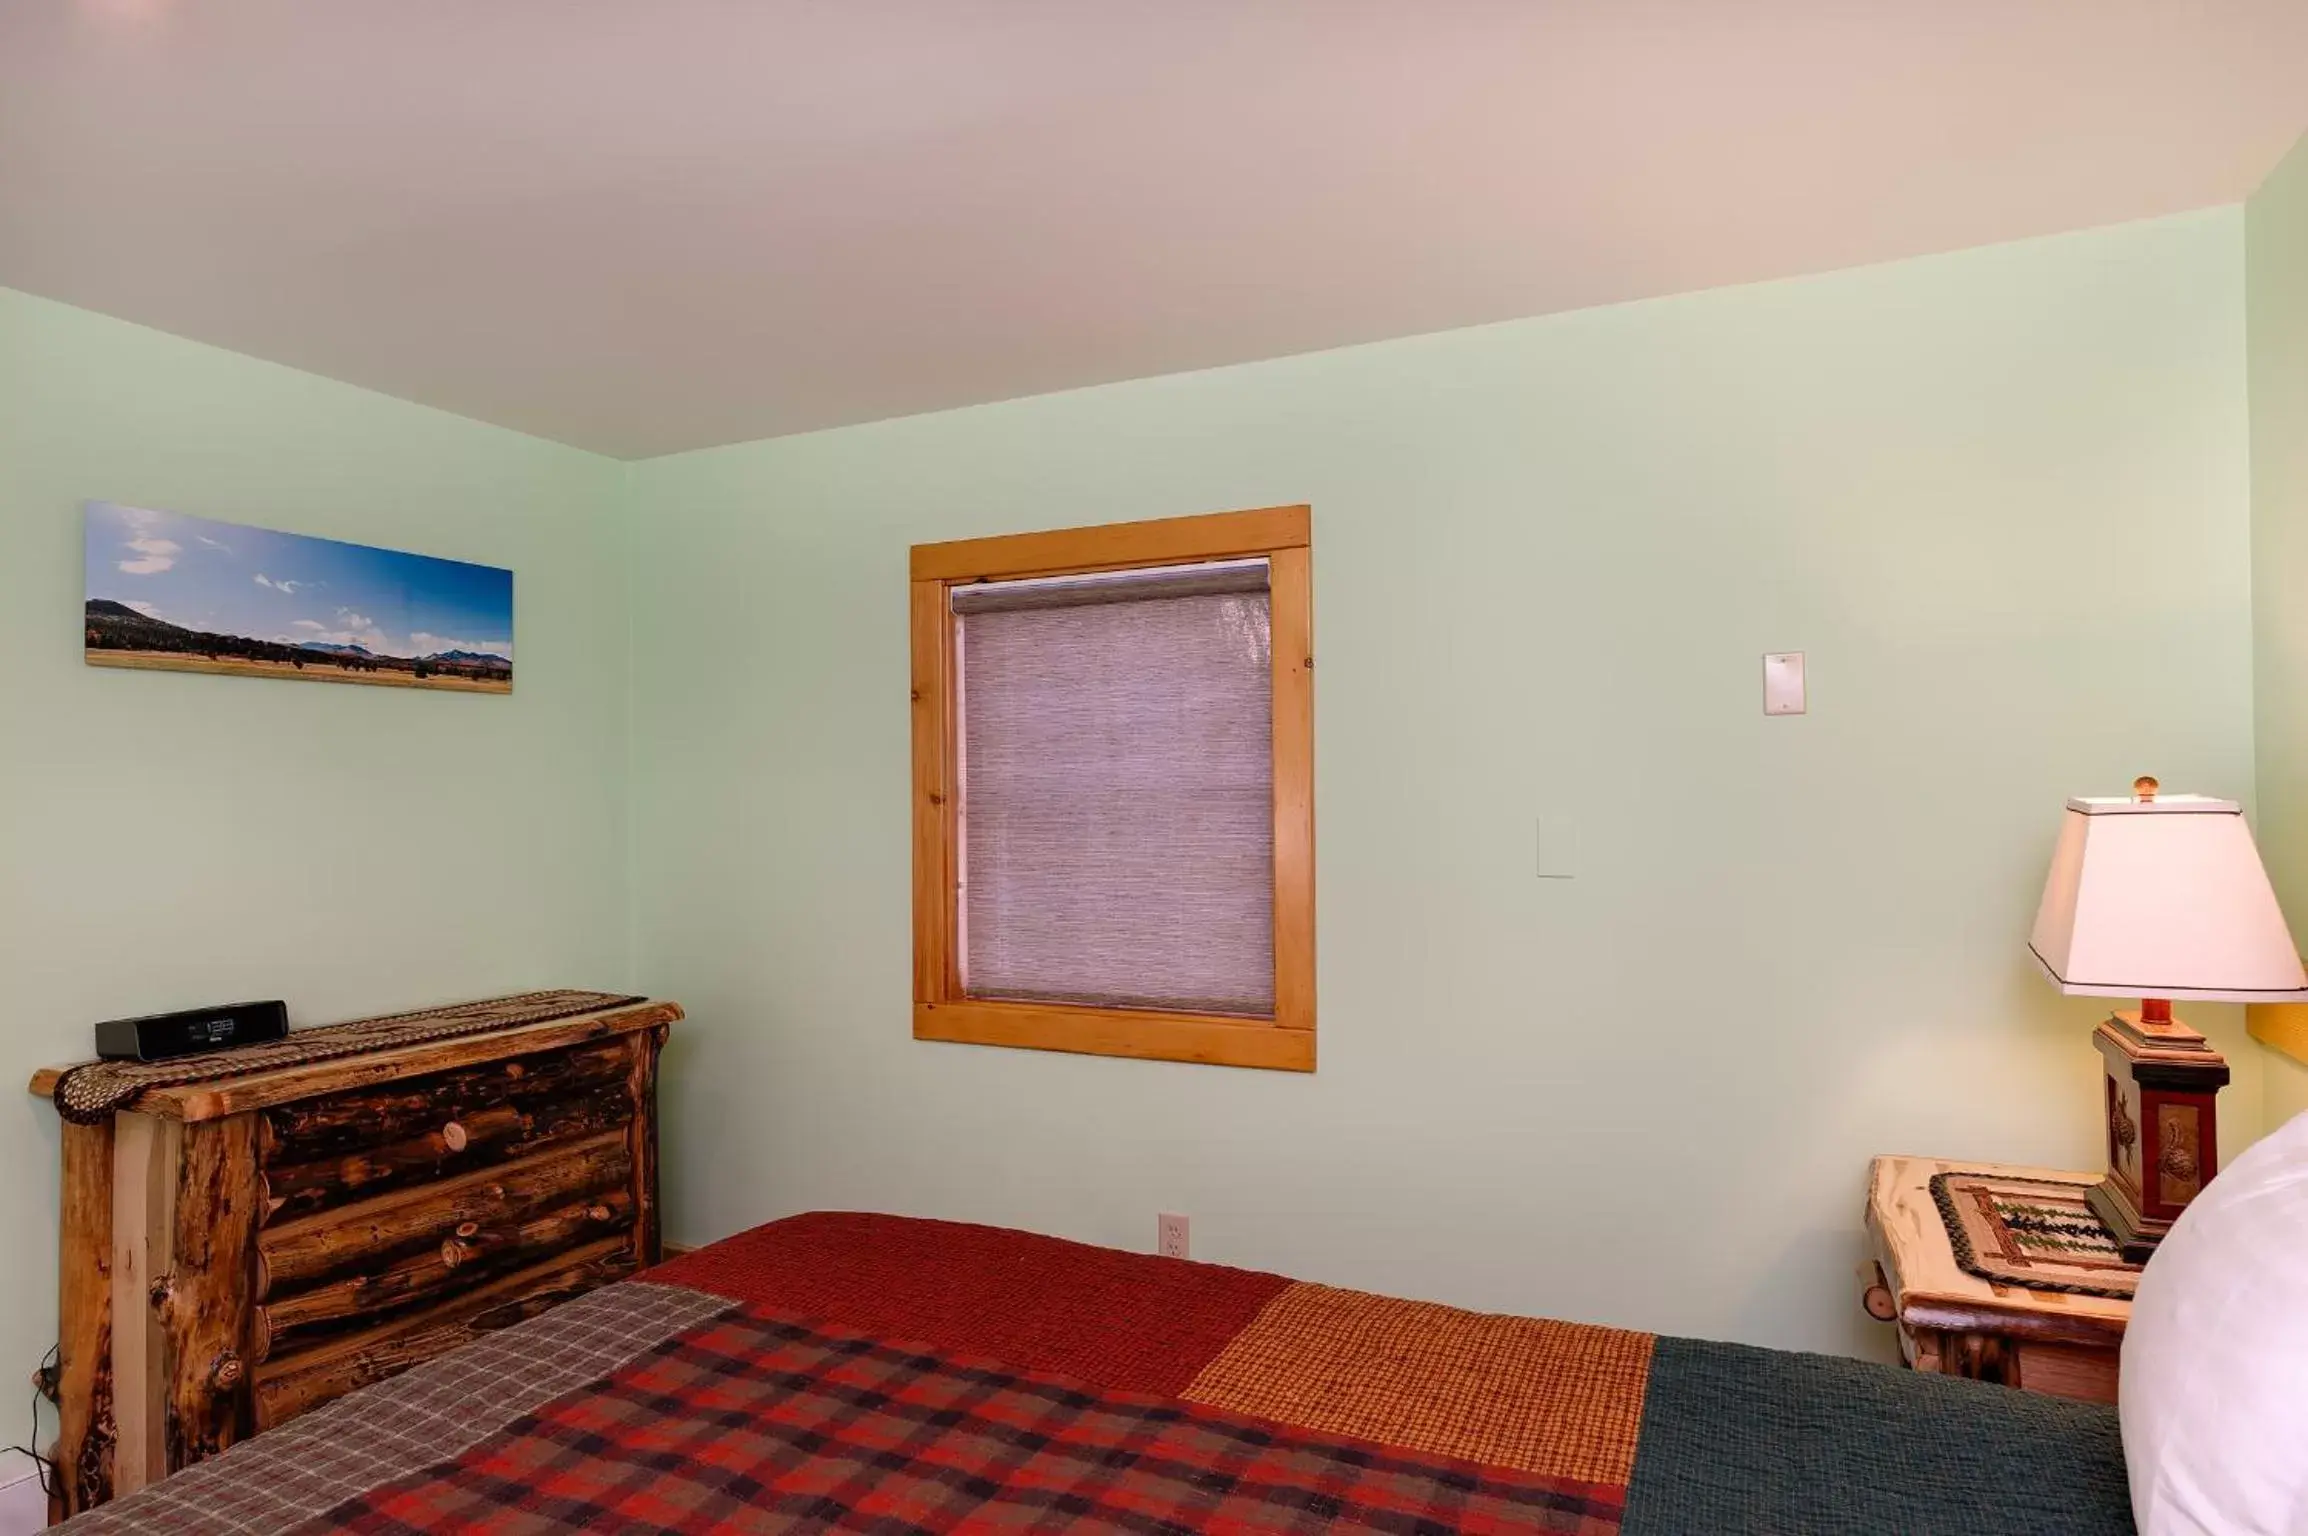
<point x="2214" y="1390"/>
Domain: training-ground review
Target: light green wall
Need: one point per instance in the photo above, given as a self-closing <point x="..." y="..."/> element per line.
<point x="167" y="839"/>
<point x="2276" y="263"/>
<point x="1999" y="497"/>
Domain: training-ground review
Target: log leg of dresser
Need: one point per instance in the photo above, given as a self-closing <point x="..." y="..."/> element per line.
<point x="211" y="1293"/>
<point x="648" y="1238"/>
<point x="84" y="1338"/>
<point x="183" y="1272"/>
<point x="145" y="1149"/>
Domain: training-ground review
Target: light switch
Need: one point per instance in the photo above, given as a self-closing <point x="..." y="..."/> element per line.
<point x="1783" y="683"/>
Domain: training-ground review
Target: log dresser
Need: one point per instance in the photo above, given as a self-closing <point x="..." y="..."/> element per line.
<point x="250" y="1234"/>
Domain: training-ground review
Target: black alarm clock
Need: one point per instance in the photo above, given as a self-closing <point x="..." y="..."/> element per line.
<point x="196" y="1030"/>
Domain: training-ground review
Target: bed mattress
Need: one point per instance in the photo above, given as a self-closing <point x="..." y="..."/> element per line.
<point x="847" y="1371"/>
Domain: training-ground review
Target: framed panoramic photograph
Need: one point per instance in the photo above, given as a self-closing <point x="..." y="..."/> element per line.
<point x="174" y="593"/>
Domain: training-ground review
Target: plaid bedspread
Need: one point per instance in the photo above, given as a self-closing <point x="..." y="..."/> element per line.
<point x="868" y="1373"/>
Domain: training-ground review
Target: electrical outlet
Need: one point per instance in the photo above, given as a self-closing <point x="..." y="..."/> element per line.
<point x="1170" y="1235"/>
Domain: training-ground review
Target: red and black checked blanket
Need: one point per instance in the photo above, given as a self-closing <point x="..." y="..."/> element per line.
<point x="842" y="1372"/>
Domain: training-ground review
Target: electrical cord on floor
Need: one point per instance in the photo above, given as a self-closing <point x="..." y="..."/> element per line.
<point x="50" y="1484"/>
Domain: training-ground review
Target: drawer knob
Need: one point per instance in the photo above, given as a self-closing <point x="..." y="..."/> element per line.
<point x="453" y="1137"/>
<point x="453" y="1248"/>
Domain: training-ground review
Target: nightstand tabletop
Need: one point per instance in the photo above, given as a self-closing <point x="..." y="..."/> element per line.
<point x="1910" y="1242"/>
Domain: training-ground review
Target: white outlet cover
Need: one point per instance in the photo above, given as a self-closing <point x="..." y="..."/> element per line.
<point x="1783" y="692"/>
<point x="23" y="1504"/>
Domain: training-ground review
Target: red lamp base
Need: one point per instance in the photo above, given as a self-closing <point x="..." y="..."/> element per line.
<point x="2163" y="1083"/>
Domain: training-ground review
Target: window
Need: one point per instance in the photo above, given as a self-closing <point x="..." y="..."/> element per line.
<point x="1114" y="790"/>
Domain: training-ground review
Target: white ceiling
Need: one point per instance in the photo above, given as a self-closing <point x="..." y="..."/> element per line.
<point x="647" y="225"/>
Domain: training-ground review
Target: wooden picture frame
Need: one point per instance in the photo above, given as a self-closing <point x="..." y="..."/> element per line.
<point x="1283" y="537"/>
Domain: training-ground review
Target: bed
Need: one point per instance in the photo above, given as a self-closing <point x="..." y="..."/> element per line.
<point x="847" y="1371"/>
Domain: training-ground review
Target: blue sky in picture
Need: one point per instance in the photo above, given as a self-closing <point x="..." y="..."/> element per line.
<point x="264" y="585"/>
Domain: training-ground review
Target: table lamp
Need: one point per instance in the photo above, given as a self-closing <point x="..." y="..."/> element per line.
<point x="2160" y="898"/>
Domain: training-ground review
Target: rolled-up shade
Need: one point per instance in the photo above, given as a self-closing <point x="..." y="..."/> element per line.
<point x="1117" y="794"/>
<point x="1208" y="579"/>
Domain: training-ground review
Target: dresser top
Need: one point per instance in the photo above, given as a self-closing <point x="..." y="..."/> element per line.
<point x="214" y="1097"/>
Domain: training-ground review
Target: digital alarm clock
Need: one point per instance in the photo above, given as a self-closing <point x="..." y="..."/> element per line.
<point x="196" y="1030"/>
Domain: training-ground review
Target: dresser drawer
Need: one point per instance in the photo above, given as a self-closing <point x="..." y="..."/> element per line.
<point x="364" y="1264"/>
<point x="292" y="1384"/>
<point x="321" y="1154"/>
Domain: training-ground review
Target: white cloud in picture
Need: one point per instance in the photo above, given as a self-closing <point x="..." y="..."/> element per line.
<point x="152" y="556"/>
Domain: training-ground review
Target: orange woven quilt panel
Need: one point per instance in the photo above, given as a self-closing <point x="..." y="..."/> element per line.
<point x="1561" y="1400"/>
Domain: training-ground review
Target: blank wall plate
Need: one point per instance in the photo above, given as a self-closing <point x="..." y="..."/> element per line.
<point x="1783" y="692"/>
<point x="1558" y="847"/>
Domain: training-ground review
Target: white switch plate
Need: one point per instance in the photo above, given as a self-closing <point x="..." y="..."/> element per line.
<point x="1783" y="683"/>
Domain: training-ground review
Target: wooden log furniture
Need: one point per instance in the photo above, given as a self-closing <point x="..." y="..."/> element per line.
<point x="241" y="1249"/>
<point x="1958" y="1324"/>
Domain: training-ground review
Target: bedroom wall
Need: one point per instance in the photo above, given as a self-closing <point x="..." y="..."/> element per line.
<point x="2276" y="309"/>
<point x="170" y="840"/>
<point x="1999" y="497"/>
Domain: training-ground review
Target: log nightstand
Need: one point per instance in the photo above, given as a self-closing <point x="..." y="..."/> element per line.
<point x="240" y="1249"/>
<point x="1961" y="1324"/>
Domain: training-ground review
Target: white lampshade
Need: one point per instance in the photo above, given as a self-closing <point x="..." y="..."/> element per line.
<point x="2164" y="898"/>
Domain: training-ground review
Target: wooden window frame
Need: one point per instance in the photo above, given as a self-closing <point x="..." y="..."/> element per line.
<point x="941" y="1012"/>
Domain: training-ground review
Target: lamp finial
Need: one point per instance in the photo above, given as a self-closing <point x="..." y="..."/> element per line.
<point x="2144" y="789"/>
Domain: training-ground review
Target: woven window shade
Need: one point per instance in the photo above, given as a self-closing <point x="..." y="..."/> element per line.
<point x="1117" y="807"/>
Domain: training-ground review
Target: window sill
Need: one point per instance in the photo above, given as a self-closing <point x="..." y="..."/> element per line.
<point x="1212" y="1039"/>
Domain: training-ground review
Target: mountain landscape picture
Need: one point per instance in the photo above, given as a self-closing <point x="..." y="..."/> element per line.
<point x="186" y="594"/>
